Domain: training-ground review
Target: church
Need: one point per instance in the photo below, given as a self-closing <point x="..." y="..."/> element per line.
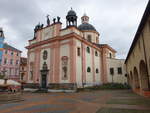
<point x="70" y="57"/>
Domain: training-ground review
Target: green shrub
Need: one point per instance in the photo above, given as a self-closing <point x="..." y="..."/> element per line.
<point x="1" y="76"/>
<point x="106" y="86"/>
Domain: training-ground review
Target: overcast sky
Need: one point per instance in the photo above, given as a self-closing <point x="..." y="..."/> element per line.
<point x="115" y="20"/>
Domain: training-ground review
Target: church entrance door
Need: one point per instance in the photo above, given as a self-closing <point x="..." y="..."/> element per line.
<point x="44" y="73"/>
<point x="44" y="82"/>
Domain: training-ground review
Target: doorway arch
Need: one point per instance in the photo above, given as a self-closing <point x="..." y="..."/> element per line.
<point x="144" y="76"/>
<point x="136" y="79"/>
<point x="131" y="79"/>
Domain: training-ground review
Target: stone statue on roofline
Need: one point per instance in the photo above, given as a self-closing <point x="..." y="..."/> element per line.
<point x="58" y="19"/>
<point x="54" y="20"/>
<point x="48" y="20"/>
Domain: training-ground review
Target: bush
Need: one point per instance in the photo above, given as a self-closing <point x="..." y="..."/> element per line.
<point x="106" y="86"/>
<point x="1" y="76"/>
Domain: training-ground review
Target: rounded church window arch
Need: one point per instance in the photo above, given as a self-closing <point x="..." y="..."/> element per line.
<point x="45" y="53"/>
<point x="88" y="69"/>
<point x="89" y="38"/>
<point x="88" y="49"/>
<point x="97" y="71"/>
<point x="96" y="53"/>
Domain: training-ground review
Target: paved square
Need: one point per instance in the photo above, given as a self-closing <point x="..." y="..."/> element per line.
<point x="104" y="101"/>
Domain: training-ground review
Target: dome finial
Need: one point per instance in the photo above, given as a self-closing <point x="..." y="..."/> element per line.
<point x="84" y="14"/>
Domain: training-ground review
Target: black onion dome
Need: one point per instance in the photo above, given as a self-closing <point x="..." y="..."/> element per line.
<point x="71" y="13"/>
<point x="86" y="27"/>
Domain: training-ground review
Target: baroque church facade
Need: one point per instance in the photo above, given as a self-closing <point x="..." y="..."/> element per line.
<point x="69" y="57"/>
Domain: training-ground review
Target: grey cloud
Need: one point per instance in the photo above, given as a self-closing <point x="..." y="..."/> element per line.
<point x="116" y="20"/>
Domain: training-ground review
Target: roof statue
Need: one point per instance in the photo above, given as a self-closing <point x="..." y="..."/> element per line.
<point x="48" y="20"/>
<point x="54" y="20"/>
<point x="58" y="19"/>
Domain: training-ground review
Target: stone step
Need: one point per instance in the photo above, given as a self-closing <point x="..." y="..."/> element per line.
<point x="41" y="91"/>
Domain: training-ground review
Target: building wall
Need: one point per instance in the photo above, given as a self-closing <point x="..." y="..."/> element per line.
<point x="65" y="51"/>
<point x="56" y="51"/>
<point x="46" y="33"/>
<point x="94" y="36"/>
<point x="23" y="69"/>
<point x="115" y="64"/>
<point x="146" y="35"/>
<point x="63" y="59"/>
<point x="42" y="62"/>
<point x="11" y="70"/>
<point x="88" y="58"/>
<point x="97" y="65"/>
<point x="138" y="53"/>
<point x="64" y="32"/>
<point x="79" y="64"/>
<point x="138" y="61"/>
<point x="31" y="60"/>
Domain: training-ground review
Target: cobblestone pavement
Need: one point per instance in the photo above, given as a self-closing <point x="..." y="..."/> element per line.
<point x="83" y="102"/>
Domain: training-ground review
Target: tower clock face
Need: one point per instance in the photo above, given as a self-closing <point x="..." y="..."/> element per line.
<point x="45" y="55"/>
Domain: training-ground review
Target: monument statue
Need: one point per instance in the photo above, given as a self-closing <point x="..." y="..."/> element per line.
<point x="58" y="19"/>
<point x="54" y="20"/>
<point x="48" y="20"/>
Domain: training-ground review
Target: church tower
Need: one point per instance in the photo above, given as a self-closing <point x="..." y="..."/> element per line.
<point x="71" y="18"/>
<point x="89" y="31"/>
<point x="85" y="19"/>
<point x="2" y="37"/>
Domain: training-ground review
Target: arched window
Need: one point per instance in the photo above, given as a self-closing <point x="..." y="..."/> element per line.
<point x="144" y="75"/>
<point x="119" y="70"/>
<point x="89" y="38"/>
<point x="88" y="69"/>
<point x="110" y="55"/>
<point x="96" y="53"/>
<point x="45" y="55"/>
<point x="78" y="51"/>
<point x="88" y="49"/>
<point x="97" y="40"/>
<point x="112" y="71"/>
<point x="6" y="51"/>
<point x="97" y="71"/>
<point x="12" y="53"/>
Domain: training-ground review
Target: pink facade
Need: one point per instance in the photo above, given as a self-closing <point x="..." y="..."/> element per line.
<point x="23" y="69"/>
<point x="10" y="62"/>
<point x="71" y="56"/>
